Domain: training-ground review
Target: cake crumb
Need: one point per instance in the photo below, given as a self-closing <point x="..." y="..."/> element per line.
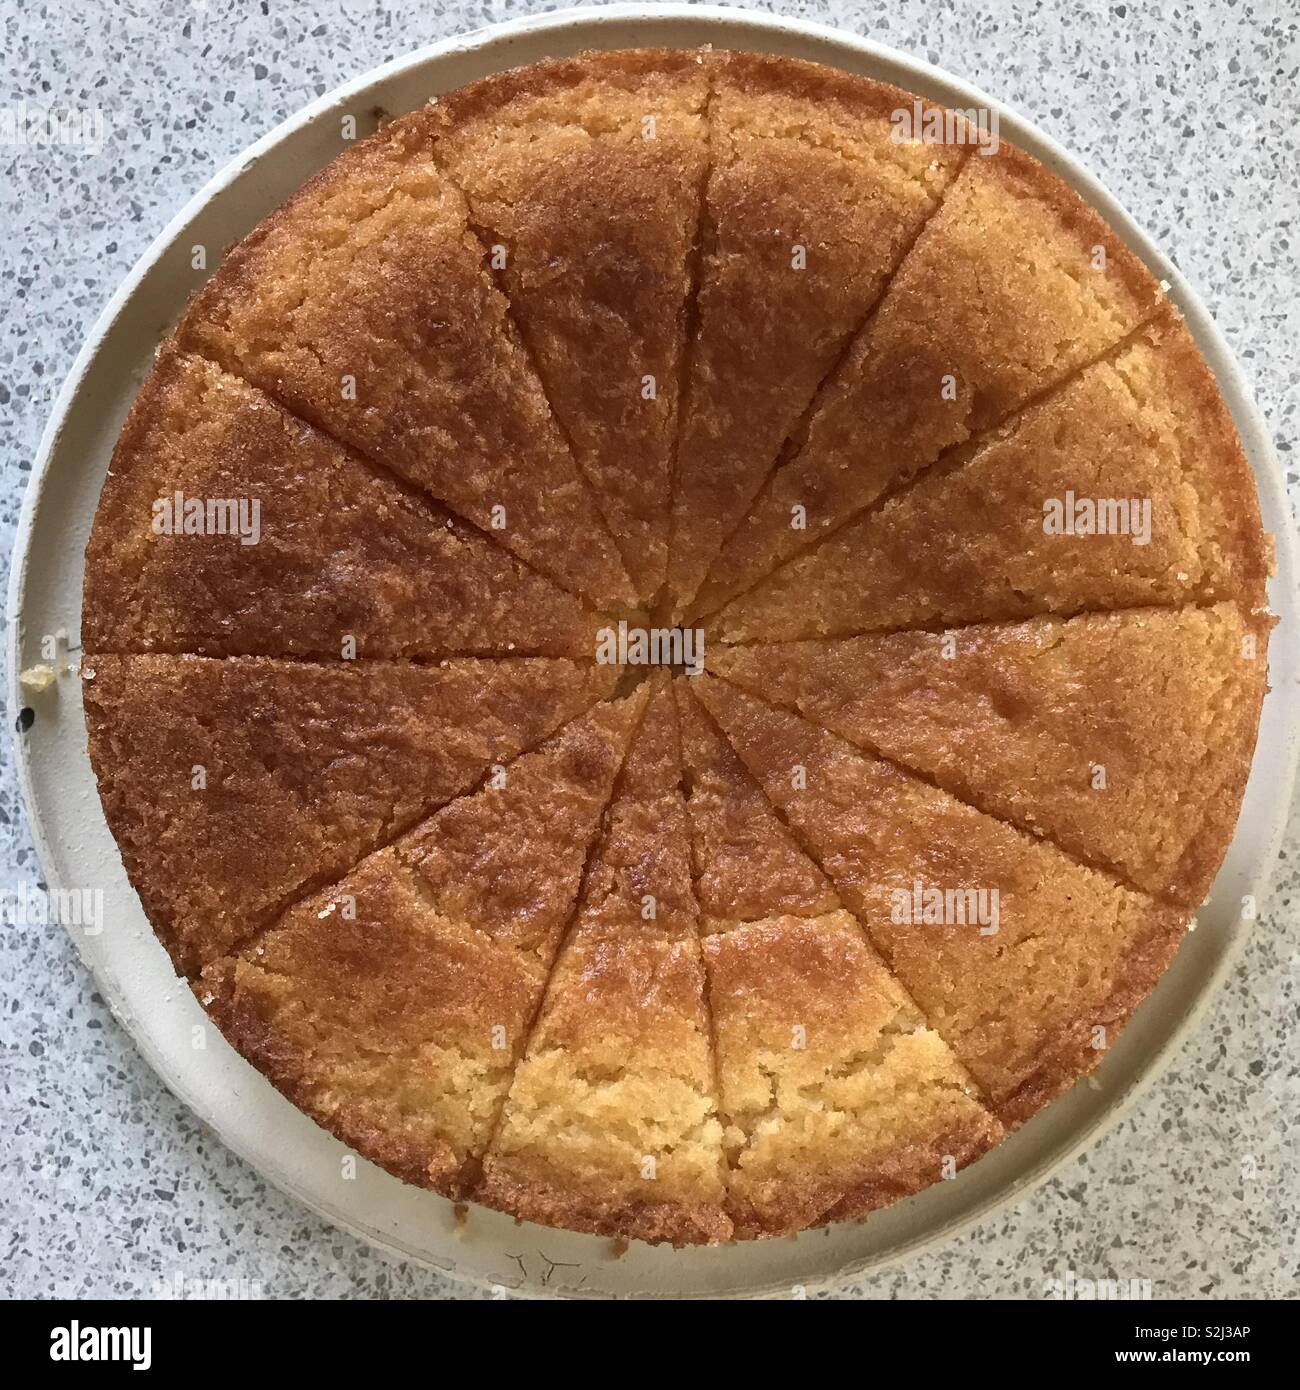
<point x="37" y="678"/>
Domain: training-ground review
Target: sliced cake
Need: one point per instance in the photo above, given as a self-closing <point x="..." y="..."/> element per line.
<point x="584" y="179"/>
<point x="231" y="786"/>
<point x="611" y="1123"/>
<point x="1015" y="284"/>
<point x="508" y="861"/>
<point x="229" y="527"/>
<point x="365" y="304"/>
<point x="1125" y="737"/>
<point x="1026" y="963"/>
<point x="836" y="1097"/>
<point x="747" y="864"/>
<point x="547" y="385"/>
<point x="811" y="203"/>
<point x="1126" y="487"/>
<point x="393" y="1006"/>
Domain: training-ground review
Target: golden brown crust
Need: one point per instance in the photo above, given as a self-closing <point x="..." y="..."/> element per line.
<point x="1124" y="737"/>
<point x="590" y="78"/>
<point x="1081" y="1048"/>
<point x="612" y="1114"/>
<point x="595" y="216"/>
<point x="1126" y="487"/>
<point x="428" y="1163"/>
<point x="1016" y="954"/>
<point x="786" y="1206"/>
<point x="810" y="205"/>
<point x="394" y="1027"/>
<point x="835" y="1095"/>
<point x="393" y="1006"/>
<point x="555" y="1203"/>
<point x="950" y="351"/>
<point x="747" y="865"/>
<point x="331" y="549"/>
<point x="508" y="861"/>
<point x="365" y="305"/>
<point x="641" y="881"/>
<point x="231" y="785"/>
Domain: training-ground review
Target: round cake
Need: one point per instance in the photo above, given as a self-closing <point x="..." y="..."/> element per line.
<point x="672" y="643"/>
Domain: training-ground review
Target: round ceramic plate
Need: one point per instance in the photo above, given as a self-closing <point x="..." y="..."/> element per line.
<point x="134" y="974"/>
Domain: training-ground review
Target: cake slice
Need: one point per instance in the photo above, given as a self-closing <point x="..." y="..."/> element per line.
<point x="836" y="1097"/>
<point x="392" y="1007"/>
<point x="611" y="1122"/>
<point x="811" y="204"/>
<point x="229" y="527"/>
<point x="1124" y="737"/>
<point x="1015" y="284"/>
<point x="508" y="861"/>
<point x="747" y="864"/>
<point x="584" y="177"/>
<point x="1026" y="963"/>
<point x="1126" y="487"/>
<point x="365" y="304"/>
<point x="232" y="786"/>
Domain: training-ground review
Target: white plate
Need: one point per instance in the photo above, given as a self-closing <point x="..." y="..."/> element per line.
<point x="132" y="971"/>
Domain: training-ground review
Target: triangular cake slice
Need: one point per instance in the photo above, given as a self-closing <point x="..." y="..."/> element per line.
<point x="228" y="527"/>
<point x="502" y="861"/>
<point x="1011" y="287"/>
<point x="747" y="864"/>
<point x="611" y="1123"/>
<point x="393" y="1006"/>
<point x="1126" y="487"/>
<point x="1025" y="962"/>
<point x="812" y="202"/>
<point x="836" y="1097"/>
<point x="1124" y="737"/>
<point x="233" y="785"/>
<point x="584" y="177"/>
<point x="365" y="304"/>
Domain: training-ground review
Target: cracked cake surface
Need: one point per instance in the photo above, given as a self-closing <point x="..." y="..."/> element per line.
<point x="894" y="456"/>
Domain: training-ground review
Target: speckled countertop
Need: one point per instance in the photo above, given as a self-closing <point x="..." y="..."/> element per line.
<point x="1188" y="111"/>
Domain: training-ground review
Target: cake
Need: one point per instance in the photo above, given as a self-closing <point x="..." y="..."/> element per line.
<point x="933" y="573"/>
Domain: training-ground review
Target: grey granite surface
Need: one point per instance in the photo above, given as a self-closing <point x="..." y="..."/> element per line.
<point x="1189" y="112"/>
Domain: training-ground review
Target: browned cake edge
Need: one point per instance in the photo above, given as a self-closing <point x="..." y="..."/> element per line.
<point x="1073" y="1058"/>
<point x="435" y="1167"/>
<point x="101" y="597"/>
<point x="762" y="74"/>
<point x="1026" y="176"/>
<point x="535" y="1199"/>
<point x="236" y="273"/>
<point x="101" y="720"/>
<point x="1249" y="548"/>
<point x="797" y="1204"/>
<point x="1194" y="874"/>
